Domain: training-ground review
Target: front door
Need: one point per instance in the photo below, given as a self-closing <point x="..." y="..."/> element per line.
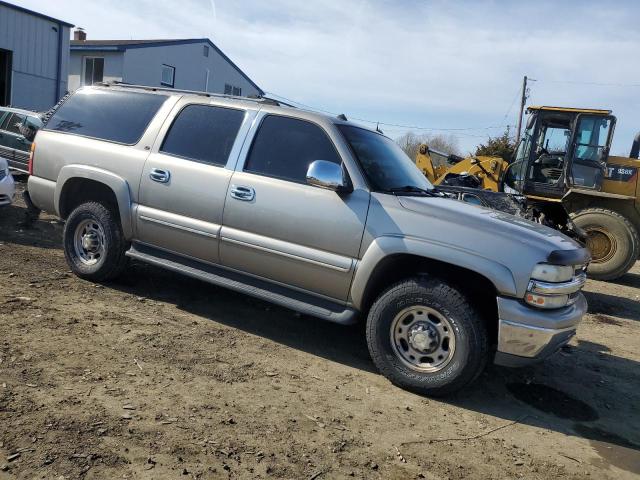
<point x="549" y="155"/>
<point x="185" y="180"/>
<point x="278" y="227"/>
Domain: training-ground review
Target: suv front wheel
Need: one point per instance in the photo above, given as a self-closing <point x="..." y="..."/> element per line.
<point x="94" y="244"/>
<point x="425" y="336"/>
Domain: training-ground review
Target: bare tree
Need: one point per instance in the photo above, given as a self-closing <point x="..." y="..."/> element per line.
<point x="410" y="142"/>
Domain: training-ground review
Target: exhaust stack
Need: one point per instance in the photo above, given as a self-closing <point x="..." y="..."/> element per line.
<point x="635" y="147"/>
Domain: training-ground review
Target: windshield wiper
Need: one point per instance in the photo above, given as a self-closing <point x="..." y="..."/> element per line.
<point x="412" y="190"/>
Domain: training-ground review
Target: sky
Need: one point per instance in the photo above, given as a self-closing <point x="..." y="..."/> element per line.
<point x="423" y="66"/>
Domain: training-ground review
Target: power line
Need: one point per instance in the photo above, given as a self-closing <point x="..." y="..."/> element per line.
<point x="386" y="124"/>
<point x="597" y="84"/>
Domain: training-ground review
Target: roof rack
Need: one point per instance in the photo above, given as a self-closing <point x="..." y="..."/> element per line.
<point x="258" y="99"/>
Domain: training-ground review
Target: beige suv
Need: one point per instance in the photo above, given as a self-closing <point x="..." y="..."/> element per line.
<point x="307" y="211"/>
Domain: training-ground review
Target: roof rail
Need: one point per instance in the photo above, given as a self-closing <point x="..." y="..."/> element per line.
<point x="258" y="99"/>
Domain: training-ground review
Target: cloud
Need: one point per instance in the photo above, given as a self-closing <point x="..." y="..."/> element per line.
<point x="432" y="63"/>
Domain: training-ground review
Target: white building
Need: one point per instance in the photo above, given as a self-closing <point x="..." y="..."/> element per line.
<point x="34" y="58"/>
<point x="188" y="64"/>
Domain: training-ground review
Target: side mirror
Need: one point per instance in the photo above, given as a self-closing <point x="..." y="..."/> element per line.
<point x="329" y="175"/>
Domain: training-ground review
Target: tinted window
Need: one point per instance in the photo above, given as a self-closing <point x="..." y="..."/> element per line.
<point x="285" y="147"/>
<point x="203" y="133"/>
<point x="108" y="115"/>
<point x="13" y="123"/>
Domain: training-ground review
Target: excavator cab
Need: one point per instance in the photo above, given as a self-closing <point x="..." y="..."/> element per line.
<point x="561" y="149"/>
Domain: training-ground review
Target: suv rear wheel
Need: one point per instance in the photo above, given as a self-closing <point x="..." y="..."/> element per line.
<point x="423" y="335"/>
<point x="94" y="244"/>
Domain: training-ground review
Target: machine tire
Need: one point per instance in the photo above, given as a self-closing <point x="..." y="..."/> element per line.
<point x="618" y="244"/>
<point x="108" y="243"/>
<point x="470" y="350"/>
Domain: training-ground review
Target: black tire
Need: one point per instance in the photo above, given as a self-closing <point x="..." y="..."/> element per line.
<point x="612" y="239"/>
<point x="467" y="360"/>
<point x="112" y="261"/>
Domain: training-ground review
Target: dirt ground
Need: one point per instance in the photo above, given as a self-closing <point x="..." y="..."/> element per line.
<point x="161" y="376"/>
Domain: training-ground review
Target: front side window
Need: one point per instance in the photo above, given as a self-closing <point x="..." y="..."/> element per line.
<point x="168" y="76"/>
<point x="592" y="139"/>
<point x="516" y="172"/>
<point x="203" y="133"/>
<point x="384" y="163"/>
<point x="93" y="70"/>
<point x="116" y="116"/>
<point x="285" y="147"/>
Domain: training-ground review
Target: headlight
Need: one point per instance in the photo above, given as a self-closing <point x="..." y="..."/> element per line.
<point x="552" y="273"/>
<point x="554" y="286"/>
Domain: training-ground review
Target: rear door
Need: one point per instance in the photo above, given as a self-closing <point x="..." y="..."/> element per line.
<point x="185" y="178"/>
<point x="278" y="227"/>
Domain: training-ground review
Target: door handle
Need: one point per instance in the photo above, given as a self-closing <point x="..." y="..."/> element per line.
<point x="160" y="176"/>
<point x="240" y="192"/>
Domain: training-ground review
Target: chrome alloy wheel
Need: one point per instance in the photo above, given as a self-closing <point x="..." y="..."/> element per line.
<point x="423" y="339"/>
<point x="89" y="242"/>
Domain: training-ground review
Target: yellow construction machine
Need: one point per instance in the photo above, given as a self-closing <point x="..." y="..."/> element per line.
<point x="561" y="164"/>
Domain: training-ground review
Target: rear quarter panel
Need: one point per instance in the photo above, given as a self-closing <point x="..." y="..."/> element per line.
<point x="55" y="150"/>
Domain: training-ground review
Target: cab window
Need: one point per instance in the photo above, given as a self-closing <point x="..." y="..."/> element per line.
<point x="592" y="137"/>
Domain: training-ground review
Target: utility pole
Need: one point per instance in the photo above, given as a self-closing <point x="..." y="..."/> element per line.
<point x="523" y="101"/>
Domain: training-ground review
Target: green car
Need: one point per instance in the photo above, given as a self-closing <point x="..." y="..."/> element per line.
<point x="17" y="130"/>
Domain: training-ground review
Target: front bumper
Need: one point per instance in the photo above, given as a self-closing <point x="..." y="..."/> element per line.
<point x="527" y="335"/>
<point x="7" y="190"/>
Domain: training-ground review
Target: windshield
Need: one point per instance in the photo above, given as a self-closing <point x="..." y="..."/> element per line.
<point x="384" y="163"/>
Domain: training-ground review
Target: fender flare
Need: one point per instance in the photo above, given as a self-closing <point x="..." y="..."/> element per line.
<point x="117" y="184"/>
<point x="386" y="246"/>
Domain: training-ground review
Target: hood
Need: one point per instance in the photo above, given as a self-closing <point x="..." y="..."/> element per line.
<point x="477" y="219"/>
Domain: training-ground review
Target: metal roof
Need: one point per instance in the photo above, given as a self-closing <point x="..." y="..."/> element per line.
<point x="571" y="109"/>
<point x="36" y="14"/>
<point x="122" y="45"/>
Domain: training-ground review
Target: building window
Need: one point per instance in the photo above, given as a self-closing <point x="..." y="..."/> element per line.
<point x="93" y="70"/>
<point x="231" y="90"/>
<point x="168" y="76"/>
<point x="205" y="51"/>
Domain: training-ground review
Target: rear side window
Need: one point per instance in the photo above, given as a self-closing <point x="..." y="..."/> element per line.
<point x="203" y="133"/>
<point x="285" y="147"/>
<point x="115" y="116"/>
<point x="12" y="124"/>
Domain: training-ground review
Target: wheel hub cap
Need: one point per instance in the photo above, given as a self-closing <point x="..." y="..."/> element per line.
<point x="90" y="242"/>
<point x="423" y="339"/>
